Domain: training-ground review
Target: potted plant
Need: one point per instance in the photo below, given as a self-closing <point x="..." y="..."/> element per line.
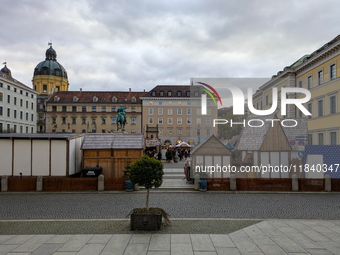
<point x="147" y="172"/>
<point x="169" y="156"/>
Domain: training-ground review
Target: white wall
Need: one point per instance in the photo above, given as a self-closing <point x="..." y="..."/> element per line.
<point x="58" y="158"/>
<point x="226" y="163"/>
<point x="284" y="162"/>
<point x="265" y="161"/>
<point x="275" y="161"/>
<point x="78" y="153"/>
<point x="22" y="157"/>
<point x="40" y="157"/>
<point x="5" y="157"/>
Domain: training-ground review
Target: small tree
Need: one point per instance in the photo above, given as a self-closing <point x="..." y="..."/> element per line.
<point x="147" y="172"/>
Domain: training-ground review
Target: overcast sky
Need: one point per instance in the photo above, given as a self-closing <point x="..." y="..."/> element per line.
<point x="116" y="45"/>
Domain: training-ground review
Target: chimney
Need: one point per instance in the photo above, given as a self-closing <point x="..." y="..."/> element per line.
<point x="130" y="90"/>
<point x="81" y="90"/>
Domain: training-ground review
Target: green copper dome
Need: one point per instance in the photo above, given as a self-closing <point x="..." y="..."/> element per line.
<point x="50" y="66"/>
<point x="6" y="71"/>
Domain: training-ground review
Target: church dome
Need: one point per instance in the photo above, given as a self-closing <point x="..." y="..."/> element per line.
<point x="50" y="66"/>
<point x="6" y="71"/>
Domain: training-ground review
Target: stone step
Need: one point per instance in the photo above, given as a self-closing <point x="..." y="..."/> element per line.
<point x="174" y="176"/>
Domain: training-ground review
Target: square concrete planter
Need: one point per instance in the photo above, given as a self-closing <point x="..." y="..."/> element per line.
<point x="140" y="221"/>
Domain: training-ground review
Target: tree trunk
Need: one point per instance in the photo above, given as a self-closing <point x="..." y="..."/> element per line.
<point x="147" y="200"/>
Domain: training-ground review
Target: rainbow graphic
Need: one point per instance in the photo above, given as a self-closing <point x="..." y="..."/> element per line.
<point x="209" y="93"/>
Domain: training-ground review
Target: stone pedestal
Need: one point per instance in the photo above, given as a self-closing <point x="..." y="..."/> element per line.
<point x="101" y="183"/>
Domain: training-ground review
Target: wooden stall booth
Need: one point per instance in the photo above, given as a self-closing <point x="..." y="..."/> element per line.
<point x="112" y="152"/>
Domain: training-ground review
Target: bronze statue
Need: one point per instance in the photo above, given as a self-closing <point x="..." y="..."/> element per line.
<point x="121" y="117"/>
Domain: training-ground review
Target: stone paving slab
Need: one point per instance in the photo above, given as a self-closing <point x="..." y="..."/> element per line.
<point x="252" y="240"/>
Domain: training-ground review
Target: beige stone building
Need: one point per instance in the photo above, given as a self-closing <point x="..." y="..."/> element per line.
<point x="92" y="111"/>
<point x="177" y="112"/>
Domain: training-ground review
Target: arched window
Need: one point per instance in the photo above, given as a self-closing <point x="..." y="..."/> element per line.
<point x="114" y="99"/>
<point x="133" y="99"/>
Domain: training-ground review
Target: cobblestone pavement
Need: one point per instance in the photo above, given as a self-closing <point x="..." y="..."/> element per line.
<point x="116" y="205"/>
<point x="73" y="227"/>
<point x="265" y="238"/>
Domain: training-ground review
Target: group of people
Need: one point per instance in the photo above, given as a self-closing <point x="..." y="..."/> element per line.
<point x="181" y="153"/>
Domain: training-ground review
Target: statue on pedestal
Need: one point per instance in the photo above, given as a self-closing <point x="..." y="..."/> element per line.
<point x="121" y="117"/>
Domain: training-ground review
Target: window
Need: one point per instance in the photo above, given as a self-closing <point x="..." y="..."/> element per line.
<point x="113" y="120"/>
<point x="160" y="102"/>
<point x="8" y="112"/>
<point x="8" y="127"/>
<point x="114" y="109"/>
<point x="133" y="121"/>
<point x="27" y="104"/>
<point x="32" y="117"/>
<point x="179" y="131"/>
<point x="179" y="93"/>
<point x="179" y="111"/>
<point x="161" y="93"/>
<point x="20" y="92"/>
<point x="56" y="99"/>
<point x="63" y="120"/>
<point x="74" y="120"/>
<point x="114" y="99"/>
<point x="160" y="111"/>
<point x="310" y="139"/>
<point x="332" y="104"/>
<point x="21" y="116"/>
<point x="160" y="120"/>
<point x="15" y="114"/>
<point x="170" y="131"/>
<point x="8" y="87"/>
<point x="83" y="108"/>
<point x="75" y="99"/>
<point x="208" y="132"/>
<point x="153" y="93"/>
<point x="8" y="99"/>
<point x="57" y="88"/>
<point x="133" y="99"/>
<point x="15" y="128"/>
<point x="300" y="84"/>
<point x="310" y="109"/>
<point x="54" y="120"/>
<point x="150" y="111"/>
<point x="332" y="72"/>
<point x="198" y="132"/>
<point x="170" y="111"/>
<point x="103" y="131"/>
<point x="74" y="108"/>
<point x="93" y="121"/>
<point x="93" y="130"/>
<point x="196" y="93"/>
<point x="83" y="130"/>
<point x="54" y="108"/>
<point x="198" y="121"/>
<point x="179" y="121"/>
<point x="1" y="85"/>
<point x="309" y="82"/>
<point x="103" y="120"/>
<point x="257" y="106"/>
<point x="188" y="93"/>
<point x="27" y="94"/>
<point x="299" y="113"/>
<point x="1" y="95"/>
<point x="320" y="77"/>
<point x="198" y="111"/>
<point x="64" y="108"/>
<point x="209" y="111"/>
<point x="208" y="121"/>
<point x="41" y="106"/>
<point x="188" y="121"/>
<point x="95" y="99"/>
<point x="188" y="132"/>
<point x="320" y="137"/>
<point x="320" y="108"/>
<point x="150" y="120"/>
<point x="44" y="88"/>
<point x="83" y="120"/>
<point x="169" y="120"/>
<point x="15" y="102"/>
<point x="26" y="115"/>
<point x="169" y="93"/>
<point x="94" y="108"/>
<point x="32" y="106"/>
<point x="1" y="110"/>
<point x="267" y="100"/>
<point x="63" y="130"/>
<point x="332" y="138"/>
<point x="32" y="96"/>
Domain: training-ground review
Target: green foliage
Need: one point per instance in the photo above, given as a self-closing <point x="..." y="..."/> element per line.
<point x="145" y="171"/>
<point x="169" y="155"/>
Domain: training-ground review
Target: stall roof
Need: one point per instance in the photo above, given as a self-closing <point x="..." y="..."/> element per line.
<point x="112" y="141"/>
<point x="152" y="142"/>
<point x="65" y="136"/>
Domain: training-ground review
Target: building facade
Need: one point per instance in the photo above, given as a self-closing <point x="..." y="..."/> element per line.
<point x="319" y="72"/>
<point x="17" y="105"/>
<point x="92" y="111"/>
<point x="177" y="112"/>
